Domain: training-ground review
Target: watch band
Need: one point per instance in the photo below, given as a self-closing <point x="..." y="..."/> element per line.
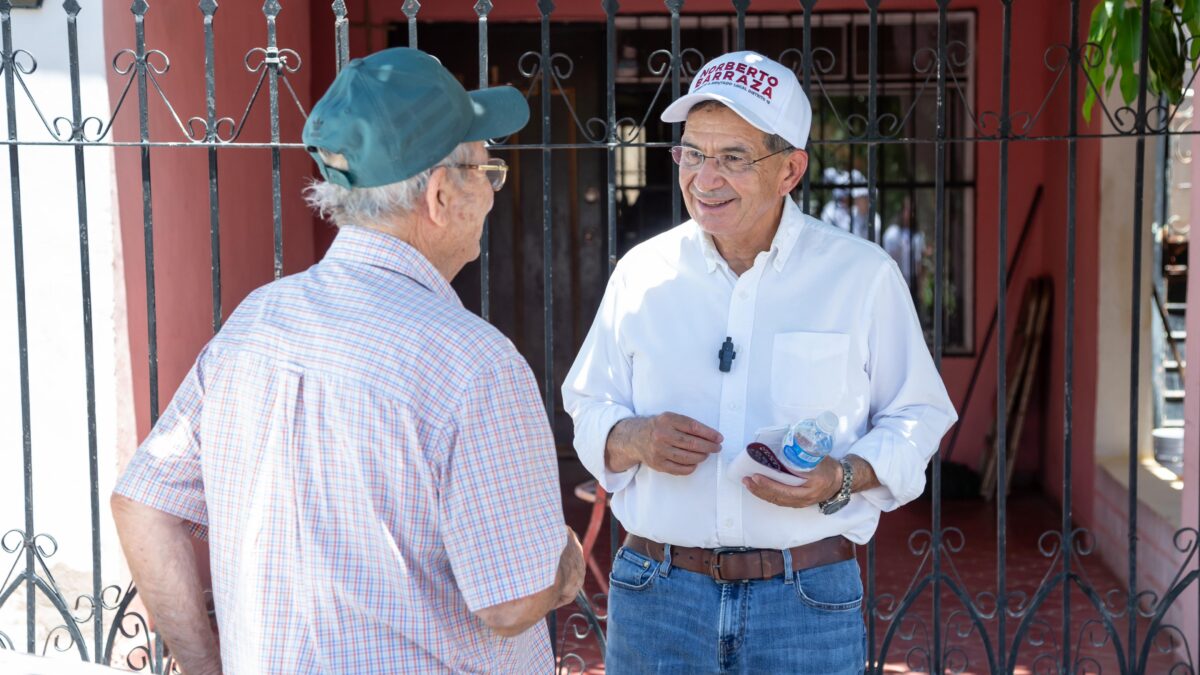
<point x="835" y="503"/>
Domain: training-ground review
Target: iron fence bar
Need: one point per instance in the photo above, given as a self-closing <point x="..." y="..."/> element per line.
<point x="1069" y="339"/>
<point x="675" y="7"/>
<point x="1001" y="453"/>
<point x="611" y="7"/>
<point x="482" y="8"/>
<point x="873" y="116"/>
<point x="873" y="664"/>
<point x="209" y="9"/>
<point x="938" y="307"/>
<point x="139" y="9"/>
<point x="1135" y="335"/>
<point x="806" y="83"/>
<point x="911" y="158"/>
<point x="740" y="6"/>
<point x="341" y="34"/>
<point x="271" y="9"/>
<point x="89" y="363"/>
<point x="1161" y="201"/>
<point x="546" y="7"/>
<point x="14" y="169"/>
<point x="949" y="140"/>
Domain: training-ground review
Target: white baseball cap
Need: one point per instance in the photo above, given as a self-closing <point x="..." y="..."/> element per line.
<point x="763" y="92"/>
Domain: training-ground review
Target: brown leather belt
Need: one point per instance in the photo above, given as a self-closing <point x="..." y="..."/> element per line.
<point x="739" y="564"/>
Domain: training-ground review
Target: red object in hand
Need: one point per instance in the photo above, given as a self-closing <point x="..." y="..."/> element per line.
<point x="763" y="455"/>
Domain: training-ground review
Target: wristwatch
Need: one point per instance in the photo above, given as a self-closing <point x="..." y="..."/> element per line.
<point x="835" y="503"/>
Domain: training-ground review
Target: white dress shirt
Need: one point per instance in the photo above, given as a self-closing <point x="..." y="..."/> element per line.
<point x="822" y="321"/>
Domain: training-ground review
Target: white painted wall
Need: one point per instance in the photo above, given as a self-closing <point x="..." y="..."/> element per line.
<point x="61" y="482"/>
<point x="1162" y="509"/>
<point x="1114" y="299"/>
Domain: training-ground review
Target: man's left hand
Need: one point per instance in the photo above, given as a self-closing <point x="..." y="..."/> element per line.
<point x="823" y="482"/>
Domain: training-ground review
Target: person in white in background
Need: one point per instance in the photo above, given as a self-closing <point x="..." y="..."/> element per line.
<point x="750" y="315"/>
<point x="860" y="206"/>
<point x="905" y="243"/>
<point x="849" y="207"/>
<point x="836" y="211"/>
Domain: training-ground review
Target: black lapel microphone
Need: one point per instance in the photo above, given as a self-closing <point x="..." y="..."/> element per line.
<point x="726" y="355"/>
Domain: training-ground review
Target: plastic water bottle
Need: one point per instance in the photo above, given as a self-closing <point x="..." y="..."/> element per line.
<point x="808" y="441"/>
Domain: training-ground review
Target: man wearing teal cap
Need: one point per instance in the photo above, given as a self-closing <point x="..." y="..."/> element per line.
<point x="370" y="461"/>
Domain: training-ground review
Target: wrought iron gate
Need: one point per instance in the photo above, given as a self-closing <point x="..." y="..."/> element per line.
<point x="1129" y="622"/>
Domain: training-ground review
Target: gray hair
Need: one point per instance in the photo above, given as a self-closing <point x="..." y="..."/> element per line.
<point x="354" y="206"/>
<point x="774" y="142"/>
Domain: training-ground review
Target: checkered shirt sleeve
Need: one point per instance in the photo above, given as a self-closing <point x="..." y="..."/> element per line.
<point x="501" y="510"/>
<point x="165" y="472"/>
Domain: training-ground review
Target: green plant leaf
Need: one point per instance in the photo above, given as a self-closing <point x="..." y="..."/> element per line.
<point x="1120" y="53"/>
<point x="1187" y="10"/>
<point x="1121" y="48"/>
<point x="1115" y="30"/>
<point x="1167" y="43"/>
<point x="1089" y="100"/>
<point x="1115" y="9"/>
<point x="1099" y="21"/>
<point x="1189" y="17"/>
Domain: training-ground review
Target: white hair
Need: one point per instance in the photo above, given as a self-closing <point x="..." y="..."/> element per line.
<point x="352" y="206"/>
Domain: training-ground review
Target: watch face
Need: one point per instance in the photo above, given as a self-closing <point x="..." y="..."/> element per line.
<point x="830" y="508"/>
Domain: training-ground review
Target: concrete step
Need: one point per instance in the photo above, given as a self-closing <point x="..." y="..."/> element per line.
<point x="1171" y="380"/>
<point x="1176" y="321"/>
<point x="1165" y="349"/>
<point x="1172" y="410"/>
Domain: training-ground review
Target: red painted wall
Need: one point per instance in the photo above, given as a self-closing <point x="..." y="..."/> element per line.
<point x="179" y="180"/>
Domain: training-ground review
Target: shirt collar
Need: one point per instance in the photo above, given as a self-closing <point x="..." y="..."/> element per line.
<point x="791" y="222"/>
<point x="790" y="225"/>
<point x="370" y="247"/>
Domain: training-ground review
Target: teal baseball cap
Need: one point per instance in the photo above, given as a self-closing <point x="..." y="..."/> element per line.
<point x="398" y="112"/>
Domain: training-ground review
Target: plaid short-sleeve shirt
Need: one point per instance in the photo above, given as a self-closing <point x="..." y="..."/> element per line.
<point x="372" y="463"/>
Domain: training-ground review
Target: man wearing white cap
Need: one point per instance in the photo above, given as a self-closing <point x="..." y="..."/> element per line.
<point x="750" y="315"/>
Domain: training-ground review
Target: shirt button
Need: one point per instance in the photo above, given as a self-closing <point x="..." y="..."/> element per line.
<point x="734" y="405"/>
<point x="743" y="294"/>
<point x="729" y="522"/>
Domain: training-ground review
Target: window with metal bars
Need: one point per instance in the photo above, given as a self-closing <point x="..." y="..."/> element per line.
<point x="838" y="191"/>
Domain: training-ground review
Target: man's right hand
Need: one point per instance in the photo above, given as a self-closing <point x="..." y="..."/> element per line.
<point x="667" y="442"/>
<point x="571" y="570"/>
<point x="509" y="619"/>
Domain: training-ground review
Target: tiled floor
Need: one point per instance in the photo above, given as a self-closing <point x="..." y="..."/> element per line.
<point x="969" y="562"/>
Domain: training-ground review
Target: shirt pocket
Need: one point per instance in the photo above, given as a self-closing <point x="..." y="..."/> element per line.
<point x="808" y="370"/>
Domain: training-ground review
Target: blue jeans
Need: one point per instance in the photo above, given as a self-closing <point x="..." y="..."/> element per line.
<point x="668" y="620"/>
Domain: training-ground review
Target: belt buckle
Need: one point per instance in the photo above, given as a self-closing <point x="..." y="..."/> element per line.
<point x="714" y="565"/>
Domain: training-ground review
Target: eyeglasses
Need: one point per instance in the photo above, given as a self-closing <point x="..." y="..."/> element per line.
<point x="496" y="171"/>
<point x="727" y="162"/>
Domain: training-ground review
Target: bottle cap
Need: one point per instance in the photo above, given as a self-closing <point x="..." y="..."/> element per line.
<point x="828" y="422"/>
